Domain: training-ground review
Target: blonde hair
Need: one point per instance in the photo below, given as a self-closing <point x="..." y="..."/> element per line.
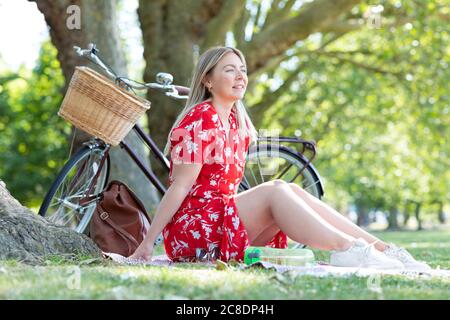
<point x="199" y="93"/>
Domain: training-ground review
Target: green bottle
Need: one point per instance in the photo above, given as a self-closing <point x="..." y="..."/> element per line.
<point x="291" y="257"/>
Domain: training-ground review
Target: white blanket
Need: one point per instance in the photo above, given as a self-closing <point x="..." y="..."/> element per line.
<point x="319" y="270"/>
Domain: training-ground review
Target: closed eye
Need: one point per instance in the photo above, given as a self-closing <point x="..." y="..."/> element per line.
<point x="242" y="70"/>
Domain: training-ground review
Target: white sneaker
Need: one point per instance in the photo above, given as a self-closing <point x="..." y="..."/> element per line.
<point x="363" y="255"/>
<point x="400" y="254"/>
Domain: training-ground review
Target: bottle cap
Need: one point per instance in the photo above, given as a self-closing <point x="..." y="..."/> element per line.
<point x="252" y="255"/>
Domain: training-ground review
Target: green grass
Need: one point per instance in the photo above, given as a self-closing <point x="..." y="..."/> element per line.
<point x="57" y="278"/>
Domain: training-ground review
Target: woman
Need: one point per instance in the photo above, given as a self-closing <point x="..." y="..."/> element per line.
<point x="201" y="214"/>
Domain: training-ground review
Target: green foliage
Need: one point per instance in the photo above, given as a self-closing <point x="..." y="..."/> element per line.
<point x="33" y="144"/>
<point x="377" y="102"/>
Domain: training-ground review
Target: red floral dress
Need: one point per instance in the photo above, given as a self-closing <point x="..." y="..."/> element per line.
<point x="207" y="220"/>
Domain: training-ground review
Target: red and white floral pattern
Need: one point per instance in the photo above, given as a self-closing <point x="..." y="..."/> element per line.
<point x="207" y="218"/>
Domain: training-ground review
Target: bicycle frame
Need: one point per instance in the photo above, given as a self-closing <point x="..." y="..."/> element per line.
<point x="156" y="151"/>
<point x="162" y="158"/>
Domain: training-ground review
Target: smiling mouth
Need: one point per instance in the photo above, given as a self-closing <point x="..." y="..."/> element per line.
<point x="238" y="87"/>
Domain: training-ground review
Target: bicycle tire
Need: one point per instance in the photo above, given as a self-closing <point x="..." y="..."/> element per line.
<point x="313" y="185"/>
<point x="76" y="159"/>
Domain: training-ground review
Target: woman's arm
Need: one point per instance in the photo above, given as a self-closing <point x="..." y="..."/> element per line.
<point x="184" y="176"/>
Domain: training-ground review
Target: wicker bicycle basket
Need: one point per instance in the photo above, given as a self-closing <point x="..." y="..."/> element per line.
<point x="97" y="106"/>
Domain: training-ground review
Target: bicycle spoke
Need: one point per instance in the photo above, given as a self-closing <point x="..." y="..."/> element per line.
<point x="311" y="185"/>
<point x="254" y="178"/>
<point x="79" y="170"/>
<point x="298" y="173"/>
<point x="69" y="185"/>
<point x="85" y="179"/>
<point x="285" y="165"/>
<point x="60" y="219"/>
<point x="85" y="182"/>
<point x="64" y="208"/>
<point x="246" y="181"/>
<point x="260" y="173"/>
<point x="284" y="171"/>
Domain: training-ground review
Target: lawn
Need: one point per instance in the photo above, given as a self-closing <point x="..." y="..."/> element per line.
<point x="85" y="278"/>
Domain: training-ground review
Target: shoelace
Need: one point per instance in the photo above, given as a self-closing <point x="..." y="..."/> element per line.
<point x="401" y="253"/>
<point x="367" y="249"/>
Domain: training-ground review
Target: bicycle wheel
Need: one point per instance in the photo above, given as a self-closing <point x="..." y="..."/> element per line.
<point x="61" y="204"/>
<point x="266" y="163"/>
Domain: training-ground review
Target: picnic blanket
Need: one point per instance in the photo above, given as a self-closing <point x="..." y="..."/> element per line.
<point x="320" y="269"/>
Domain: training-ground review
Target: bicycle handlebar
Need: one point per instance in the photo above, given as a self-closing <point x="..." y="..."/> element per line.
<point x="164" y="79"/>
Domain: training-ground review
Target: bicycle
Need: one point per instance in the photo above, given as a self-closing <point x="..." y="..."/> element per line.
<point x="72" y="196"/>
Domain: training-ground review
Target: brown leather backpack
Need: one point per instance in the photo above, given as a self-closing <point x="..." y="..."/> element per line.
<point x="120" y="221"/>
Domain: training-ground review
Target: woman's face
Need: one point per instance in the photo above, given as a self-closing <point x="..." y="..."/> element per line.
<point x="228" y="78"/>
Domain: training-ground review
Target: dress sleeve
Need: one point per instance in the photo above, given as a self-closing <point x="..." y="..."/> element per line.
<point x="192" y="139"/>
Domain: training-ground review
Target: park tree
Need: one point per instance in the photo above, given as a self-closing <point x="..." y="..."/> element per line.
<point x="29" y="237"/>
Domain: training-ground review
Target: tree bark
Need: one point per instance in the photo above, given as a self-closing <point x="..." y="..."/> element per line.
<point x="170" y="34"/>
<point x="441" y="214"/>
<point x="98" y="25"/>
<point x="417" y="214"/>
<point x="30" y="238"/>
<point x="363" y="216"/>
<point x="406" y="214"/>
<point x="392" y="219"/>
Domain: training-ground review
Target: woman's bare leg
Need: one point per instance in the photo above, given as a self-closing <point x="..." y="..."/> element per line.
<point x="271" y="206"/>
<point x="336" y="219"/>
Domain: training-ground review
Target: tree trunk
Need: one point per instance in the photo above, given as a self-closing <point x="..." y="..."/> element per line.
<point x="98" y="25"/>
<point x="363" y="216"/>
<point x="392" y="219"/>
<point x="417" y="214"/>
<point x="169" y="40"/>
<point x="441" y="214"/>
<point x="406" y="214"/>
<point x="29" y="237"/>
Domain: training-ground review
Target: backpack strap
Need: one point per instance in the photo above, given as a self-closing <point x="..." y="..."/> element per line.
<point x="122" y="232"/>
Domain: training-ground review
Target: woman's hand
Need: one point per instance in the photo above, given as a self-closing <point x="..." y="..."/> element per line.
<point x="143" y="253"/>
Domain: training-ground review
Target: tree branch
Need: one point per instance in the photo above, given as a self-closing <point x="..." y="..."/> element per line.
<point x="270" y="97"/>
<point x="344" y="26"/>
<point x="223" y="22"/>
<point x="239" y="29"/>
<point x="277" y="14"/>
<point x="278" y="38"/>
<point x="275" y="61"/>
<point x="258" y="15"/>
<point x="356" y="63"/>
